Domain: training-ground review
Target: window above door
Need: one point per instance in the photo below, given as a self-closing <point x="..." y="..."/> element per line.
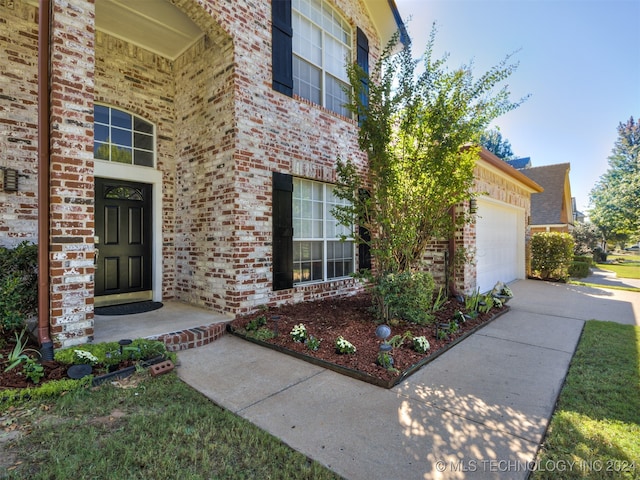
<point x="122" y="137"/>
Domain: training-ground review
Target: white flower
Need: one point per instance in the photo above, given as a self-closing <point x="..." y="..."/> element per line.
<point x="84" y="355"/>
<point x="344" y="346"/>
<point x="299" y="333"/>
<point x="421" y="344"/>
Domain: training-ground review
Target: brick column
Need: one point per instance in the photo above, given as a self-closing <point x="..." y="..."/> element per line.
<point x="71" y="186"/>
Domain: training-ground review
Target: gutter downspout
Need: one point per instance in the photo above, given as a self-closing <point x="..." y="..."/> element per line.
<point x="44" y="55"/>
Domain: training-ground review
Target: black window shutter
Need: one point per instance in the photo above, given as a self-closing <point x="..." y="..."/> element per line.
<point x="282" y="46"/>
<point x="363" y="62"/>
<point x="282" y="206"/>
<point x="364" y="251"/>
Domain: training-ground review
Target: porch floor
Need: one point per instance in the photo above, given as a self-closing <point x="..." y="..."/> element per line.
<point x="176" y="323"/>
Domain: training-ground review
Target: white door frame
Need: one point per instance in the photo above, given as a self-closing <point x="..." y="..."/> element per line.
<point x="120" y="171"/>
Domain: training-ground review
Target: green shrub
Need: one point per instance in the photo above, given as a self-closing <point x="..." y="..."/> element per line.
<point x="579" y="269"/>
<point x="18" y="285"/>
<point x="551" y="255"/>
<point x="407" y="295"/>
<point x="108" y="353"/>
<point x="583" y="258"/>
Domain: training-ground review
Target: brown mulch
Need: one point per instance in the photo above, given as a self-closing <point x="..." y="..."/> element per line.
<point x="352" y="318"/>
<point x="53" y="370"/>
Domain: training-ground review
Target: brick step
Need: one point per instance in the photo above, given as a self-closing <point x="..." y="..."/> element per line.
<point x="191" y="337"/>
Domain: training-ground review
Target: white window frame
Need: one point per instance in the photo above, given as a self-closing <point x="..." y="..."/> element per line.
<point x="325" y="221"/>
<point x="328" y="14"/>
<point x="132" y="131"/>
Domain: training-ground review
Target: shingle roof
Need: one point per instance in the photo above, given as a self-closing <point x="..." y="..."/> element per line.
<point x="546" y="207"/>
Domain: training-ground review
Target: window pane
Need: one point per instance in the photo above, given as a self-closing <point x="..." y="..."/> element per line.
<point x="101" y="114"/>
<point x="307" y="40"/>
<point x="336" y="98"/>
<point x="120" y="154"/>
<point x="339" y="259"/>
<point x="335" y="57"/>
<point x="101" y="133"/>
<point x="120" y="119"/>
<point x="307" y="261"/>
<point x="121" y="137"/>
<point x="139" y="125"/>
<point x="101" y="151"/>
<point x="140" y="140"/>
<point x="143" y="158"/>
<point x="306" y="80"/>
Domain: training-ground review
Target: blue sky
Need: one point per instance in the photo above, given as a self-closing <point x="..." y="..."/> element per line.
<point x="579" y="61"/>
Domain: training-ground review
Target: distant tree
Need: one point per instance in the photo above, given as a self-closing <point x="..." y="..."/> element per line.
<point x="492" y="140"/>
<point x="587" y="237"/>
<point x="616" y="195"/>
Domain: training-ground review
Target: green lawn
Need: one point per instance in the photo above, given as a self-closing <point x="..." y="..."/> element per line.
<point x="160" y="428"/>
<point x="625" y="266"/>
<point x="595" y="430"/>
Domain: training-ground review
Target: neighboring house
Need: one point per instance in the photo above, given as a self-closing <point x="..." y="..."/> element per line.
<point x="518" y="163"/>
<point x="578" y="217"/>
<point x="551" y="210"/>
<point x="185" y="150"/>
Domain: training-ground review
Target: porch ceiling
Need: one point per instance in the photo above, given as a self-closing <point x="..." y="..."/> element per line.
<point x="156" y="25"/>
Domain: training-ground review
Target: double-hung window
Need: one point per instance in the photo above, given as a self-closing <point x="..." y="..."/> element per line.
<point x="321" y="49"/>
<point x="123" y="138"/>
<point x="318" y="252"/>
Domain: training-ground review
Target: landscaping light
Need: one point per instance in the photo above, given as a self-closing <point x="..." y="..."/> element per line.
<point x="124" y="342"/>
<point x="275" y="319"/>
<point x="383" y="332"/>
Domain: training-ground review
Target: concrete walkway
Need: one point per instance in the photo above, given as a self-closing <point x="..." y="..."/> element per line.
<point x="478" y="411"/>
<point x="607" y="278"/>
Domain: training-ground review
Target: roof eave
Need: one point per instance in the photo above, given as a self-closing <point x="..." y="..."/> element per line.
<point x="387" y="21"/>
<point x="507" y="169"/>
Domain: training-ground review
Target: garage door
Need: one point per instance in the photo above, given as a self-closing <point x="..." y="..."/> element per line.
<point x="499" y="244"/>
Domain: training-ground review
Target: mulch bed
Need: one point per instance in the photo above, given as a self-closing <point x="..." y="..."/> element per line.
<point x="352" y="318"/>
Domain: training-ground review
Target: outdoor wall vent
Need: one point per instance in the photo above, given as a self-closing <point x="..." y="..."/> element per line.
<point x="10" y="183"/>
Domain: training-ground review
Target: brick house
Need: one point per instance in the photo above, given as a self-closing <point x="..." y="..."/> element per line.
<point x="185" y="150"/>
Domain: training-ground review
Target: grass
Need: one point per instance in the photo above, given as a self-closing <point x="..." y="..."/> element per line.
<point x="156" y="428"/>
<point x="625" y="266"/>
<point x="595" y="429"/>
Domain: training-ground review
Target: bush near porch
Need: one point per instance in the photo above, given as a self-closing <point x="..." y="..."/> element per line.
<point x="18" y="286"/>
<point x="551" y="255"/>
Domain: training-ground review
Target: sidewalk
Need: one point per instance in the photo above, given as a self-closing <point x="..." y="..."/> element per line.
<point x="478" y="411"/>
<point x="609" y="279"/>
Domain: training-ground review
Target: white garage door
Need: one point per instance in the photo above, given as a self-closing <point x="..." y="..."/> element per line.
<point x="499" y="244"/>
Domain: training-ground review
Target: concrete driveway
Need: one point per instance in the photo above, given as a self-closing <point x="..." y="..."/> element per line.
<point x="478" y="411"/>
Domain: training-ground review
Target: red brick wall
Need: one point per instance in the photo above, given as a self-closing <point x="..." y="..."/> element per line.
<point x="221" y="131"/>
<point x="18" y="120"/>
<point x="71" y="161"/>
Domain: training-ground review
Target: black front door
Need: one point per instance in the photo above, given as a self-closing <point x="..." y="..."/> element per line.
<point x="123" y="240"/>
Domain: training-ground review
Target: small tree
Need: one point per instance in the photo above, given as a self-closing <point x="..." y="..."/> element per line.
<point x="416" y="130"/>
